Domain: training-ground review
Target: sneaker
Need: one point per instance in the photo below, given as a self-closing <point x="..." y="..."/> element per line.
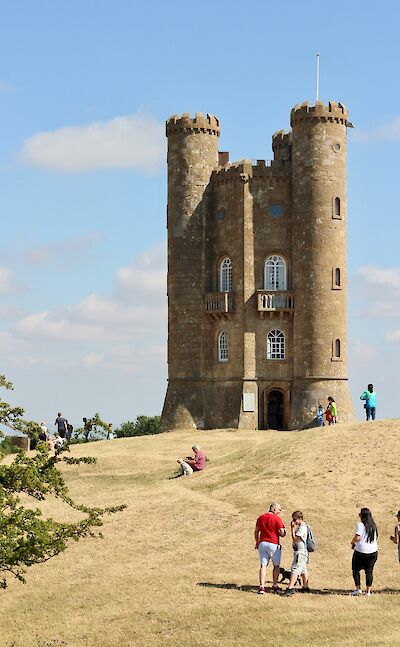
<point x="368" y="594"/>
<point x="276" y="589"/>
<point x="356" y="592"/>
<point x="304" y="589"/>
<point x="261" y="590"/>
<point x="288" y="593"/>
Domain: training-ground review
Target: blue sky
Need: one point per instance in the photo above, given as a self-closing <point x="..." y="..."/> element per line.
<point x="85" y="88"/>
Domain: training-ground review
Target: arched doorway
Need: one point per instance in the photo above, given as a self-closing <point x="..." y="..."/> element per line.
<point x="275" y="405"/>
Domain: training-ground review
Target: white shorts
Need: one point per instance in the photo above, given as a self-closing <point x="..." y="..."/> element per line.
<point x="299" y="564"/>
<point x="269" y="551"/>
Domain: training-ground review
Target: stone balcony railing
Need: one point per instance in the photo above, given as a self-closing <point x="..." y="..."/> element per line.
<point x="219" y="303"/>
<point x="278" y="301"/>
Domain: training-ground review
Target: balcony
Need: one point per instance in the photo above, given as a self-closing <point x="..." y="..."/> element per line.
<point x="275" y="303"/>
<point x="219" y="304"/>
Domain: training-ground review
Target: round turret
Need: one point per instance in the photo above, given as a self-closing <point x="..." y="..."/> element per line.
<point x="282" y="145"/>
<point x="192" y="156"/>
<point x="319" y="259"/>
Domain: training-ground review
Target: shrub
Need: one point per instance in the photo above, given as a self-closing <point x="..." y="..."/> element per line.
<point x="142" y="426"/>
<point x="6" y="447"/>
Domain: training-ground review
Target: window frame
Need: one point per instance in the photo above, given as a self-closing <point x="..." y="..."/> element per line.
<point x="271" y="270"/>
<point x="276" y="345"/>
<point x="228" y="271"/>
<point x="223" y="346"/>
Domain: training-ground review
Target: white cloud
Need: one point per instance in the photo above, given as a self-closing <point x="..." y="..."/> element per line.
<point x="386" y="132"/>
<point x="50" y="326"/>
<point x="109" y="312"/>
<point x="8" y="311"/>
<point x="381" y="276"/>
<point x="147" y="274"/>
<point x="128" y="358"/>
<point x="64" y="252"/>
<point x="137" y="308"/>
<point x="135" y="142"/>
<point x="393" y="336"/>
<point x="8" y="281"/>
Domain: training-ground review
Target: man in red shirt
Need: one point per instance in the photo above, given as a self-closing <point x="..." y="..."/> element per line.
<point x="269" y="529"/>
<point x="198" y="462"/>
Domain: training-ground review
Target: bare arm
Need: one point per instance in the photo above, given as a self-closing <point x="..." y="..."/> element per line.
<point x="355" y="539"/>
<point x="282" y="532"/>
<point x="296" y="538"/>
<point x="395" y="537"/>
<point x="257" y="536"/>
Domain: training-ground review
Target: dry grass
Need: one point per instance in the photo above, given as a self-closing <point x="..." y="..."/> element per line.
<point x="180" y="561"/>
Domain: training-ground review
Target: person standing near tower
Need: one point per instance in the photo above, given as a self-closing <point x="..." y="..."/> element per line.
<point x="331" y="411"/>
<point x="370" y="402"/>
<point x="61" y="423"/>
<point x="269" y="529"/>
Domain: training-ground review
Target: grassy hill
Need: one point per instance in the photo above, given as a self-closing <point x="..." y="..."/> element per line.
<point x="179" y="565"/>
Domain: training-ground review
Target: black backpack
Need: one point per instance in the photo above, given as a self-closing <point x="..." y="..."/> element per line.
<point x="311" y="542"/>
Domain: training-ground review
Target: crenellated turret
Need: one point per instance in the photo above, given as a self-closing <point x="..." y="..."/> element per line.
<point x="319" y="259"/>
<point x="192" y="156"/>
<point x="282" y="145"/>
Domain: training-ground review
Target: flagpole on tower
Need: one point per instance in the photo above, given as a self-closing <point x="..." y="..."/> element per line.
<point x="317" y="92"/>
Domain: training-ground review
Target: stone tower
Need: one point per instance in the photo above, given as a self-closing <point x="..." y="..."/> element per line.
<point x="257" y="275"/>
<point x="319" y="258"/>
<point x="192" y="156"/>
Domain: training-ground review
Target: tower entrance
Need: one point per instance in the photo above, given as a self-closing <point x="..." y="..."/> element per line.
<point x="274" y="409"/>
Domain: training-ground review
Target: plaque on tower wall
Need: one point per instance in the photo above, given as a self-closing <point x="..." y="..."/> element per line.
<point x="249" y="402"/>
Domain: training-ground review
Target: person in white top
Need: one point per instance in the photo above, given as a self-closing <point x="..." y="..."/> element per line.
<point x="365" y="550"/>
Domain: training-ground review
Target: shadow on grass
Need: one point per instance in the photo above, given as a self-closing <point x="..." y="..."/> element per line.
<point x="249" y="588"/>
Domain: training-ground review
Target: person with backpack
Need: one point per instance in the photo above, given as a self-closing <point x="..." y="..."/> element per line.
<point x="303" y="543"/>
<point x="365" y="551"/>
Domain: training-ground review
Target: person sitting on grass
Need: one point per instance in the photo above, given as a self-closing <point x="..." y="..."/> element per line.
<point x="300" y="554"/>
<point x="197" y="463"/>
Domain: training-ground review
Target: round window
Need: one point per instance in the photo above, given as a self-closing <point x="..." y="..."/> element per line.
<point x="276" y="210"/>
<point x="336" y="147"/>
<point x="221" y="213"/>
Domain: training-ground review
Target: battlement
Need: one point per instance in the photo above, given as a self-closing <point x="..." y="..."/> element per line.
<point x="232" y="172"/>
<point x="281" y="138"/>
<point x="282" y="145"/>
<point x="336" y="112"/>
<point x="198" y="123"/>
<point x="244" y="170"/>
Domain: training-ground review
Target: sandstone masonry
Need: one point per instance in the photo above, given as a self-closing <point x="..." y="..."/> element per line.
<point x="257" y="275"/>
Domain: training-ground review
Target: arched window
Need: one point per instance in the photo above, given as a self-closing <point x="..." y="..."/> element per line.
<point x="223" y="352"/>
<point x="275" y="273"/>
<point x="225" y="275"/>
<point x="275" y="344"/>
<point x="337" y="347"/>
<point x="337" y="208"/>
<point x="337" y="277"/>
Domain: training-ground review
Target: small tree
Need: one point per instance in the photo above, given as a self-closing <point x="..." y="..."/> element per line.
<point x="142" y="426"/>
<point x="26" y="536"/>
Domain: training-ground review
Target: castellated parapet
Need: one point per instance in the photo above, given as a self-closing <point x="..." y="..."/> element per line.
<point x="198" y="123"/>
<point x="257" y="275"/>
